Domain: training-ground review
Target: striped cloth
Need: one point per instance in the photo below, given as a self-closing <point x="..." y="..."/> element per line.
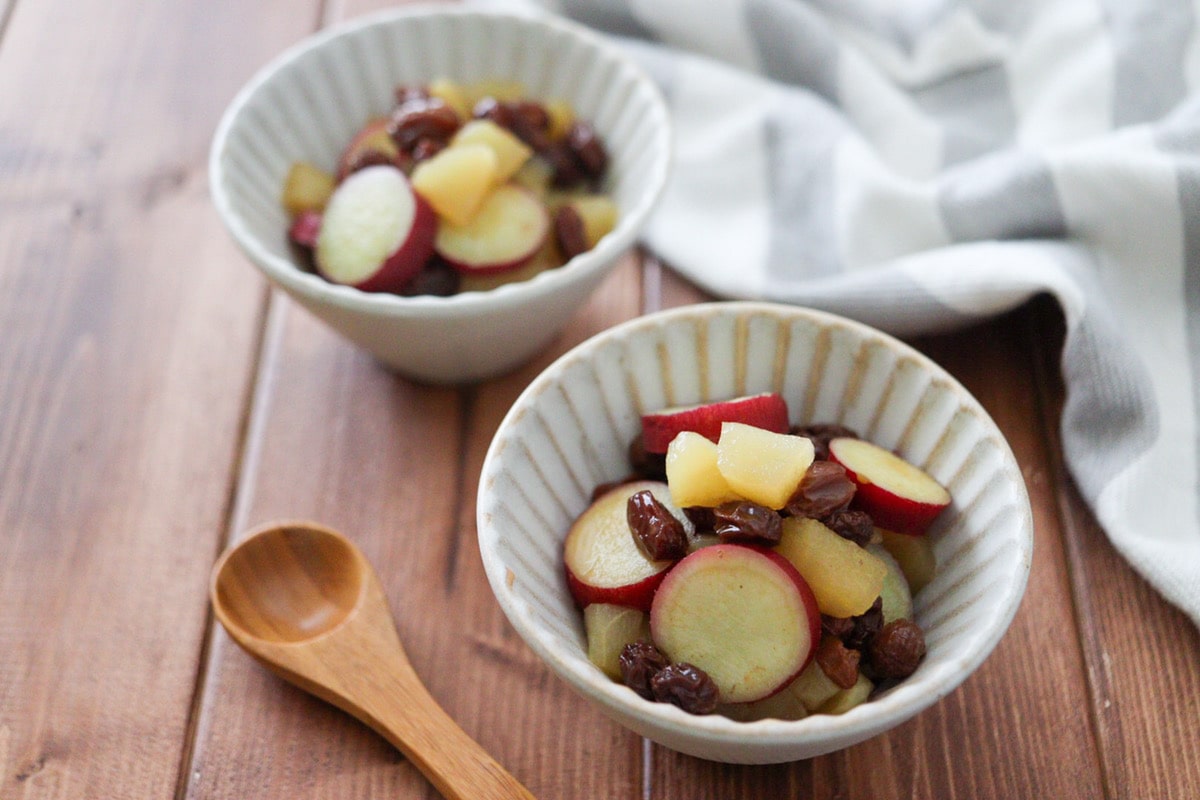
<point x="921" y="165"/>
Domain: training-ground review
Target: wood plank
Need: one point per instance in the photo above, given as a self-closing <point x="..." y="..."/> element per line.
<point x="1005" y="731"/>
<point x="395" y="465"/>
<point x="1141" y="652"/>
<point x="131" y="329"/>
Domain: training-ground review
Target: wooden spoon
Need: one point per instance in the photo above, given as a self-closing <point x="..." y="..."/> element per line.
<point x="304" y="601"/>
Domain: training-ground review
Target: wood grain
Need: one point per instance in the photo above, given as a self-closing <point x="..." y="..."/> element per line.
<point x="1141" y="652"/>
<point x="130" y="327"/>
<point x="156" y="400"/>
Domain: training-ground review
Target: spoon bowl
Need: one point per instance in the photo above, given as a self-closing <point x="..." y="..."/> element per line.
<point x="304" y="601"/>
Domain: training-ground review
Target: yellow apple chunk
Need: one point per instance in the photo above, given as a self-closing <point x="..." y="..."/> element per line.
<point x="598" y="213"/>
<point x="511" y="152"/>
<point x="455" y="181"/>
<point x="915" y="556"/>
<point x="562" y="115"/>
<point x="452" y="94"/>
<point x="692" y="472"/>
<point x="845" y="578"/>
<point x="761" y="465"/>
<point x="813" y="688"/>
<point x="535" y="174"/>
<point x="306" y="188"/>
<point x="846" y="699"/>
<point x="609" y="628"/>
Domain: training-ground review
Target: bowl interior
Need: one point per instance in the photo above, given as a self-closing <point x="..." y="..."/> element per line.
<point x="307" y="104"/>
<point x="570" y="429"/>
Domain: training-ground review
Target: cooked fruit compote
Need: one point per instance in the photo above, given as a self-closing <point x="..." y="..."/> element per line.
<point x="755" y="569"/>
<point x="461" y="188"/>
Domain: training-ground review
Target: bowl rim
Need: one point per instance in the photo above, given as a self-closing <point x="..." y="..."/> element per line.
<point x="316" y="289"/>
<point x="897" y="705"/>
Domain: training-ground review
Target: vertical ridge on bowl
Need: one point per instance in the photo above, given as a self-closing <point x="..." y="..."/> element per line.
<point x="829" y="369"/>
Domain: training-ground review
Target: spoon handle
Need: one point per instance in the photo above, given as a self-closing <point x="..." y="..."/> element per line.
<point x="408" y="716"/>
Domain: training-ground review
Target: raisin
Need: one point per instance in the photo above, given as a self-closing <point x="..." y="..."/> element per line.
<point x="659" y="533"/>
<point x="838" y="662"/>
<point x="702" y="518"/>
<point x="837" y="626"/>
<point x="866" y="626"/>
<point x="368" y="158"/>
<point x="490" y="108"/>
<point x="587" y="149"/>
<point x="897" y="649"/>
<point x="604" y="488"/>
<point x="823" y="490"/>
<point x="686" y="686"/>
<point x="566" y="170"/>
<point x="422" y="118"/>
<point x="435" y="278"/>
<point x="857" y="526"/>
<point x="744" y="521"/>
<point x="821" y="436"/>
<point x="530" y="123"/>
<point x="652" y="466"/>
<point x="427" y="148"/>
<point x="569" y="232"/>
<point x="640" y="661"/>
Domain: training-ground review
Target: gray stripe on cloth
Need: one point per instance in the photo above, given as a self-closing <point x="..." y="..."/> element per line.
<point x="613" y="16"/>
<point x="795" y="45"/>
<point x="1110" y="415"/>
<point x="1150" y="39"/>
<point x="1188" y="179"/>
<point x="1009" y="195"/>
<point x="801" y="140"/>
<point x="975" y="111"/>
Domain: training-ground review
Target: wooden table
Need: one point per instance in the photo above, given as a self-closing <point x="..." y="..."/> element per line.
<point x="156" y="400"/>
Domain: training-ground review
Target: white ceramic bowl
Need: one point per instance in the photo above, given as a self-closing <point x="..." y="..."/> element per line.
<point x="570" y="429"/>
<point x="307" y="103"/>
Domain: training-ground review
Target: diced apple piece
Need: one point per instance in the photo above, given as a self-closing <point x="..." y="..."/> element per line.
<point x="768" y="411"/>
<point x="847" y="699"/>
<point x="742" y="614"/>
<point x="456" y="180"/>
<point x="693" y="475"/>
<point x="598" y="213"/>
<point x="497" y="89"/>
<point x="511" y="152"/>
<point x="508" y="230"/>
<point x="372" y="136"/>
<point x="609" y="628"/>
<point x="452" y="94"/>
<point x="761" y="465"/>
<point x="813" y="688"/>
<point x="561" y="114"/>
<point x="898" y="495"/>
<point x="895" y="594"/>
<point x="306" y="188"/>
<point x="376" y="233"/>
<point x="603" y="560"/>
<point x="914" y="554"/>
<point x="845" y="578"/>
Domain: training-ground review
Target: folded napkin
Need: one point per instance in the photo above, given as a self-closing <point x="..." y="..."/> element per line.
<point x="924" y="164"/>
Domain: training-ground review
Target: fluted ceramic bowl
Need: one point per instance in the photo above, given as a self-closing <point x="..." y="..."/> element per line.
<point x="570" y="430"/>
<point x="306" y="105"/>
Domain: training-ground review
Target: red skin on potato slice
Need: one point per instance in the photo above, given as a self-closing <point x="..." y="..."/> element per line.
<point x="376" y="233"/>
<point x="603" y="561"/>
<point x="768" y="411"/>
<point x="508" y="230"/>
<point x="898" y="495"/>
